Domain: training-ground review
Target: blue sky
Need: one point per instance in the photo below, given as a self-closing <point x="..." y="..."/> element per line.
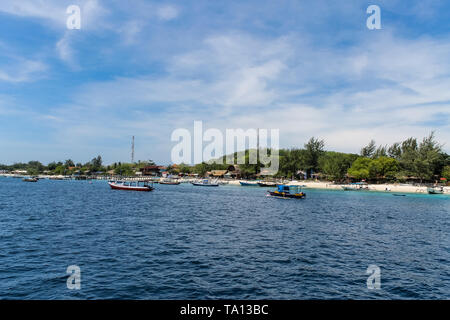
<point x="146" y="68"/>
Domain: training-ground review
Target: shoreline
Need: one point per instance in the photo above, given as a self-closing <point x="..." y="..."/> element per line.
<point x="322" y="185"/>
<point x="385" y="188"/>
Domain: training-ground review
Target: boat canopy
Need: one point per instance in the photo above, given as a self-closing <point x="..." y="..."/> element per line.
<point x="289" y="189"/>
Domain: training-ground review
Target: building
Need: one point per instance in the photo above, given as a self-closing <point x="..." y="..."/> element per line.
<point x="153" y="170"/>
<point x="217" y="173"/>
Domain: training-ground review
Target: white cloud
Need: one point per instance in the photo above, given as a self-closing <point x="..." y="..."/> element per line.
<point x="168" y="12"/>
<point x="22" y="70"/>
<point x="64" y="49"/>
<point x="394" y="89"/>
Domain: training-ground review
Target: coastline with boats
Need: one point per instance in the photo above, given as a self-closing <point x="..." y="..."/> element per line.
<point x="393" y="188"/>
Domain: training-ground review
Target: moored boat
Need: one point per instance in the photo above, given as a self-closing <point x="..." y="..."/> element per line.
<point x="435" y="190"/>
<point x="287" y="192"/>
<point x="169" y="181"/>
<point x="267" y="184"/>
<point x="205" y="183"/>
<point x="249" y="183"/>
<point x="358" y="186"/>
<point x="131" y="185"/>
<point x="32" y="179"/>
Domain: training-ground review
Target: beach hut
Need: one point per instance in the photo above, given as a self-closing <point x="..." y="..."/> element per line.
<point x="218" y="173"/>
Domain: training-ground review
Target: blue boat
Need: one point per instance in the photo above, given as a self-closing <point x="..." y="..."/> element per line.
<point x="249" y="183"/>
<point x="287" y="192"/>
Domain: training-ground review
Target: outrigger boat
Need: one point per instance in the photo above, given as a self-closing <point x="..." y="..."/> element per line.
<point x="358" y="186"/>
<point x="267" y="184"/>
<point x="435" y="190"/>
<point x="169" y="181"/>
<point x="249" y="183"/>
<point x="131" y="185"/>
<point x="205" y="183"/>
<point x="287" y="192"/>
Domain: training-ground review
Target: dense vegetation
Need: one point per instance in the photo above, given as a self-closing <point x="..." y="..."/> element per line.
<point x="408" y="160"/>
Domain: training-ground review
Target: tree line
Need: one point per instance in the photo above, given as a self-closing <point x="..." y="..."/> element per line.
<point x="410" y="159"/>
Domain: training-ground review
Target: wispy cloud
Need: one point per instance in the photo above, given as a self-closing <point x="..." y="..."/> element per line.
<point x="168" y="12"/>
<point x="22" y="70"/>
<point x="307" y="69"/>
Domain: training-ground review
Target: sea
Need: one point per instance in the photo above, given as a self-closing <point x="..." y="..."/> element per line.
<point x="230" y="242"/>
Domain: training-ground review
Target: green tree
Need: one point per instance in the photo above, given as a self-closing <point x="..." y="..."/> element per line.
<point x="69" y="163"/>
<point x="369" y="150"/>
<point x="446" y="173"/>
<point x="314" y="148"/>
<point x="385" y="168"/>
<point x="362" y="168"/>
<point x="96" y="163"/>
<point x="335" y="164"/>
<point x="184" y="168"/>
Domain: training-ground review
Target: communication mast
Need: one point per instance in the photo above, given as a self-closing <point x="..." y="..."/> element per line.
<point x="132" y="150"/>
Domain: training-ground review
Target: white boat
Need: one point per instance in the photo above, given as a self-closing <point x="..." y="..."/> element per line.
<point x="205" y="183"/>
<point x="435" y="190"/>
<point x="359" y="186"/>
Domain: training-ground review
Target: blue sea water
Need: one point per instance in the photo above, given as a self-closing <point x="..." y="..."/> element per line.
<point x="186" y="242"/>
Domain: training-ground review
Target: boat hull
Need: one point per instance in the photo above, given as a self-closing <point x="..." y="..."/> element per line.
<point x="268" y="185"/>
<point x="284" y="195"/>
<point x="170" y="183"/>
<point x="130" y="188"/>
<point x="204" y="185"/>
<point x="247" y="184"/>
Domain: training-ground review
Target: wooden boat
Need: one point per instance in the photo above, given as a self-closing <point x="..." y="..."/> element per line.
<point x="358" y="186"/>
<point x="249" y="183"/>
<point x="435" y="190"/>
<point x="131" y="186"/>
<point x="169" y="182"/>
<point x="287" y="192"/>
<point x="205" y="183"/>
<point x="30" y="179"/>
<point x="267" y="184"/>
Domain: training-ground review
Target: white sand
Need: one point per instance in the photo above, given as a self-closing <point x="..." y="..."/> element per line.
<point x="393" y="188"/>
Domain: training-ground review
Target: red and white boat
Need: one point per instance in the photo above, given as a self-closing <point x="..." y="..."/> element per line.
<point x="131" y="185"/>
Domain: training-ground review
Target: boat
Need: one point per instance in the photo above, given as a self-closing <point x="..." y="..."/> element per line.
<point x="358" y="186"/>
<point x="249" y="183"/>
<point x="267" y="184"/>
<point x="170" y="182"/>
<point x="131" y="185"/>
<point x="287" y="192"/>
<point x="435" y="190"/>
<point x="30" y="179"/>
<point x="205" y="183"/>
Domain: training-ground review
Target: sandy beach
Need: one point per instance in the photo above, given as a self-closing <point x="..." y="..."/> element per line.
<point x="393" y="188"/>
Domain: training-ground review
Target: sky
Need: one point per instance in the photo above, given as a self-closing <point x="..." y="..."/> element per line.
<point x="146" y="68"/>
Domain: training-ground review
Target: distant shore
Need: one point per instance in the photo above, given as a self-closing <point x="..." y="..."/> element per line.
<point x="391" y="188"/>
